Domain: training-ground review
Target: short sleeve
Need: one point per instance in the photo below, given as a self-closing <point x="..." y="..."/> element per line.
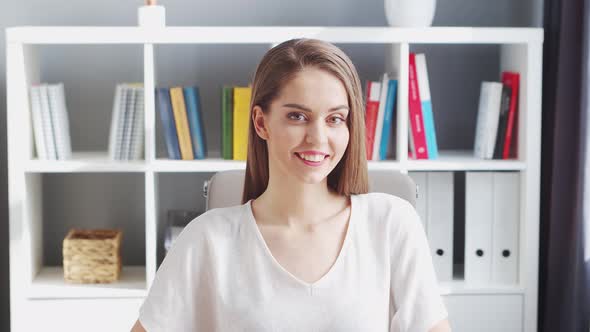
<point x="417" y="303"/>
<point x="170" y="305"/>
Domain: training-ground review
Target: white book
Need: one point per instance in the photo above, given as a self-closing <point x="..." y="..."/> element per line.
<point x="478" y="227"/>
<point x="440" y="222"/>
<point x="128" y="122"/>
<point x="48" y="127"/>
<point x="506" y="228"/>
<point x="488" y="116"/>
<point x="37" y="117"/>
<point x="115" y="122"/>
<point x="380" y="116"/>
<point x="125" y="95"/>
<point x="61" y="121"/>
<point x="137" y="135"/>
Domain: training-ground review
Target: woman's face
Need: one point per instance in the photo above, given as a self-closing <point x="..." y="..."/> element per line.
<point x="306" y="128"/>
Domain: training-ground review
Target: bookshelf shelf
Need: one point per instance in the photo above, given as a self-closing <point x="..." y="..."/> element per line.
<point x="50" y="284"/>
<point x="37" y="289"/>
<point x="464" y="161"/>
<point x="84" y="162"/>
<point x="269" y="35"/>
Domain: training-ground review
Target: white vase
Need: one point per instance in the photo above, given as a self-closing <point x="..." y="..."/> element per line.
<point x="410" y="13"/>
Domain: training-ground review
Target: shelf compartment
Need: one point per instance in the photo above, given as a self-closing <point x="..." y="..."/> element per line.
<point x="49" y="283"/>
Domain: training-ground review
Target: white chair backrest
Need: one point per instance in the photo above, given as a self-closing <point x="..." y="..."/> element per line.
<point x="225" y="187"/>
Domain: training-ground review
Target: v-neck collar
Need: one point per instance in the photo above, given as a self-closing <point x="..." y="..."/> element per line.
<point x="341" y="255"/>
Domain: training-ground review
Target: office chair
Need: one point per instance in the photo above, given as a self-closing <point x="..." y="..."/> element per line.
<point x="225" y="187"/>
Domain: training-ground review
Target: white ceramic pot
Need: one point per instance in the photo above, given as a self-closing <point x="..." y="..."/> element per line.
<point x="410" y="13"/>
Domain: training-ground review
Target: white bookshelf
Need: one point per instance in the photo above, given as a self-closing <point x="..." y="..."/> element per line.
<point x="39" y="291"/>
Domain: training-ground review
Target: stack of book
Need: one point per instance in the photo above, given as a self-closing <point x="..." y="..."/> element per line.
<point x="422" y="133"/>
<point x="182" y="122"/>
<point x="51" y="127"/>
<point x="380" y="106"/>
<point x="127" y="128"/>
<point x="496" y="118"/>
<point x="235" y="117"/>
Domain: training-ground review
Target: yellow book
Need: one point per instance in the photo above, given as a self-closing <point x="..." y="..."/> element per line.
<point x="241" y="119"/>
<point x="181" y="121"/>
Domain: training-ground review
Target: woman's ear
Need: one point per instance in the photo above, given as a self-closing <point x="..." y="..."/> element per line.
<point x="259" y="121"/>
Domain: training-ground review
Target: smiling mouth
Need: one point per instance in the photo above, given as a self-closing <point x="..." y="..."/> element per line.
<point x="310" y="162"/>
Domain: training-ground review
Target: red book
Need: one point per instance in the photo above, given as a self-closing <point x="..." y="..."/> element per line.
<point x="511" y="79"/>
<point x="372" y="109"/>
<point x="415" y="113"/>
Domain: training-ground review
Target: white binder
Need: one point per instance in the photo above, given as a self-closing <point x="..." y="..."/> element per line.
<point x="440" y="222"/>
<point x="479" y="216"/>
<point x="420" y="180"/>
<point x="506" y="227"/>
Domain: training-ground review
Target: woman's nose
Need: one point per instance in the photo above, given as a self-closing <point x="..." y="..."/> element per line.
<point x="317" y="132"/>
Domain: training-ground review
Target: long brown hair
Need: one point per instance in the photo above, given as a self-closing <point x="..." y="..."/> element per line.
<point x="277" y="67"/>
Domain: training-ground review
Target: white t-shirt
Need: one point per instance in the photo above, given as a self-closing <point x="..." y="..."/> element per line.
<point x="220" y="276"/>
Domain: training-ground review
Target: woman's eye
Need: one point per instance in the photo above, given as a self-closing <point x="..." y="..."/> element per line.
<point x="337" y="120"/>
<point x="296" y="116"/>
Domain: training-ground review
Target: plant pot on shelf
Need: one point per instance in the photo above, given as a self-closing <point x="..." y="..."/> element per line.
<point x="410" y="13"/>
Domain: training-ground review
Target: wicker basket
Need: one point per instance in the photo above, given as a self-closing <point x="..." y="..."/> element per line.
<point x="92" y="256"/>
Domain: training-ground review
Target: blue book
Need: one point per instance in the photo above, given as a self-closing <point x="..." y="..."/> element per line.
<point x="388" y="118"/>
<point x="195" y="121"/>
<point x="165" y="107"/>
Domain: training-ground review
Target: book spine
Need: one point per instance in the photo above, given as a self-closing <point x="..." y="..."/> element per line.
<point x="190" y="98"/>
<point x="503" y="122"/>
<point x="372" y="110"/>
<point x="47" y="123"/>
<point x="35" y="97"/>
<point x="388" y="119"/>
<point x="227" y="123"/>
<point x="511" y="79"/>
<point x="426" y="103"/>
<point x="242" y="97"/>
<point x="168" y="124"/>
<point x="184" y="137"/>
<point x="415" y="112"/>
<point x="380" y="115"/>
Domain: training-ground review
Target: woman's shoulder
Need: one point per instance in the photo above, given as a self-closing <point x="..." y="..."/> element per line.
<point x="389" y="212"/>
<point x="384" y="203"/>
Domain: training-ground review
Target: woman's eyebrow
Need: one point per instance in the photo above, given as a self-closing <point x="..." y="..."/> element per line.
<point x="303" y="108"/>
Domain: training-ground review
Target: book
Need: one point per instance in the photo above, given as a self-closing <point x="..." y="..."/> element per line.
<point x="241" y="119"/>
<point x="164" y="106"/>
<point x="371" y="112"/>
<point x="380" y="117"/>
<point x="390" y="105"/>
<point x="181" y="120"/>
<point x="420" y="149"/>
<point x="193" y="108"/>
<point x="37" y="118"/>
<point x="59" y="119"/>
<point x="137" y="129"/>
<point x="488" y="115"/>
<point x="426" y="104"/>
<point x="227" y="106"/>
<point x="511" y="79"/>
<point x="48" y="125"/>
<point x="502" y="122"/>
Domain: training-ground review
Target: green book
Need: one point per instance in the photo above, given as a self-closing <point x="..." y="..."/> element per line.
<point x="227" y="106"/>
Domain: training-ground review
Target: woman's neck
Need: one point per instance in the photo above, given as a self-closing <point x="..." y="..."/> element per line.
<point x="288" y="201"/>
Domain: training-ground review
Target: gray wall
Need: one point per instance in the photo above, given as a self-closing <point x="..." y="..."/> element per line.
<point x="89" y="75"/>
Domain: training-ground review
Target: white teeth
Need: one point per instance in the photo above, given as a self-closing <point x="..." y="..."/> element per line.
<point x="315" y="157"/>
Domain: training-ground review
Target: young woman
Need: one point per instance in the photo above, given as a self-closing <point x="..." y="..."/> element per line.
<point x="309" y="249"/>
